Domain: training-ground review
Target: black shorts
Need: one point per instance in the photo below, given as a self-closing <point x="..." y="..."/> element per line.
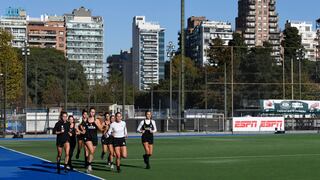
<point x="61" y="143"/>
<point x="147" y="138"/>
<point x="119" y="142"/>
<point x="80" y="137"/>
<point x="94" y="141"/>
<point x="106" y="141"/>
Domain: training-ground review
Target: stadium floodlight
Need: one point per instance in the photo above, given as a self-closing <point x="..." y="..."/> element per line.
<point x="170" y="53"/>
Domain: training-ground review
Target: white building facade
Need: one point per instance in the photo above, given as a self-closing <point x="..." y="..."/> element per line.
<point x="308" y="37"/>
<point x="85" y="42"/>
<point x="147" y="53"/>
<point x="15" y="22"/>
<point x="203" y="35"/>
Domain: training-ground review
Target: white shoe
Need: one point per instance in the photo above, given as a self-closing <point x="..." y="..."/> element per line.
<point x="112" y="167"/>
<point x="88" y="172"/>
<point x="90" y="168"/>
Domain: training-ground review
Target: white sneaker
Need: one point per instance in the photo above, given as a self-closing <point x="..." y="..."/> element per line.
<point x="112" y="167"/>
<point x="90" y="168"/>
<point x="88" y="172"/>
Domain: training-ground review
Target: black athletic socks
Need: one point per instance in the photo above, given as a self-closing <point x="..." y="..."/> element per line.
<point x="85" y="161"/>
<point x="65" y="168"/>
<point x="58" y="166"/>
<point x="102" y="155"/>
<point x="145" y="158"/>
<point x="77" y="155"/>
<point x="118" y="169"/>
<point x="147" y="161"/>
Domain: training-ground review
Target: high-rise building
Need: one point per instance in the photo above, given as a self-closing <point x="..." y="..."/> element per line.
<point x="148" y="52"/>
<point x="308" y="37"/>
<point x="85" y="42"/>
<point x="201" y="33"/>
<point x="258" y="22"/>
<point x="47" y="32"/>
<point x="318" y="39"/>
<point x="121" y="64"/>
<point x="15" y="22"/>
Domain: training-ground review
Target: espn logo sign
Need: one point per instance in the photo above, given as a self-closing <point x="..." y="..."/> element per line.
<point x="258" y="123"/>
<point x="271" y="124"/>
<point x="245" y="124"/>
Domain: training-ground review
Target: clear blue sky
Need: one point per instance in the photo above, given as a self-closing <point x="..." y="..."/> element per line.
<point x="118" y="14"/>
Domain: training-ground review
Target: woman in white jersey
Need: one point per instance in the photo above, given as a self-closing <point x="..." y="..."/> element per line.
<point x="147" y="127"/>
<point x="118" y="130"/>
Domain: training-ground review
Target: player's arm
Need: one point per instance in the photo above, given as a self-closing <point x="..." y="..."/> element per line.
<point x="139" y="127"/>
<point x="154" y="126"/>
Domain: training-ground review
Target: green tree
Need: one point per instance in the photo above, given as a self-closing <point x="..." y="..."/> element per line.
<point x="53" y="91"/>
<point x="11" y="67"/>
<point x="291" y="42"/>
<point x="49" y="65"/>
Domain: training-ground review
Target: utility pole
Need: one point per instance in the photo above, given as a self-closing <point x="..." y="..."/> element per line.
<point x="66" y="85"/>
<point x="5" y="98"/>
<point x="123" y="89"/>
<point x="181" y="112"/>
<point x="292" y="96"/>
<point x="170" y="54"/>
<point x="26" y="53"/>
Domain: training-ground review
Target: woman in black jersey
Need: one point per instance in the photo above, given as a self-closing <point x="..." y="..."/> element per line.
<point x="91" y="136"/>
<point x="73" y="140"/>
<point x="107" y="140"/>
<point x="61" y="129"/>
<point x="147" y="127"/>
<point x="104" y="137"/>
<point x="80" y="136"/>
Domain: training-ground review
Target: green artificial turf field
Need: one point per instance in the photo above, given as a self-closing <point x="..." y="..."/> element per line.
<point x="269" y="157"/>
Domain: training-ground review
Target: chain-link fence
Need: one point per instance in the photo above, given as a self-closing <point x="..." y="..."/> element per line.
<point x="225" y="82"/>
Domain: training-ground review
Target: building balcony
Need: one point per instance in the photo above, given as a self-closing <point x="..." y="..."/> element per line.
<point x="251" y="19"/>
<point x="252" y="7"/>
<point x="274" y="37"/>
<point x="252" y="2"/>
<point x="84" y="34"/>
<point x="274" y="31"/>
<point x="273" y="19"/>
<point x="272" y="2"/>
<point x="273" y="14"/>
<point x="42" y="41"/>
<point x="252" y="13"/>
<point x="273" y="25"/>
<point x="249" y="36"/>
<point x="251" y="25"/>
<point x="85" y="47"/>
<point x="250" y="30"/>
<point x="272" y="8"/>
<point x="42" y="34"/>
<point x="84" y="40"/>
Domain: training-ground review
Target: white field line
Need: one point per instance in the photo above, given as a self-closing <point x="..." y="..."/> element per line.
<point x="228" y="157"/>
<point x="47" y="161"/>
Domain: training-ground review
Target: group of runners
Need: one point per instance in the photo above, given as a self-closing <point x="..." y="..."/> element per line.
<point x="113" y="138"/>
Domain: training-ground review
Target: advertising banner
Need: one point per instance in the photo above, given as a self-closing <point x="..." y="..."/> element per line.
<point x="258" y="124"/>
<point x="290" y="106"/>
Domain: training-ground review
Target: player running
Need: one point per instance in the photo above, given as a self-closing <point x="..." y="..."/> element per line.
<point x="61" y="129"/>
<point x="118" y="130"/>
<point x="147" y="127"/>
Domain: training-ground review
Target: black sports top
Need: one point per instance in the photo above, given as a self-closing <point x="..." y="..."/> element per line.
<point x="59" y="126"/>
<point x="147" y="127"/>
<point x="91" y="130"/>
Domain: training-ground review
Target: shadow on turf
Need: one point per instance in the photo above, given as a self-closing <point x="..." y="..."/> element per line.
<point x="36" y="169"/>
<point x="132" y="166"/>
